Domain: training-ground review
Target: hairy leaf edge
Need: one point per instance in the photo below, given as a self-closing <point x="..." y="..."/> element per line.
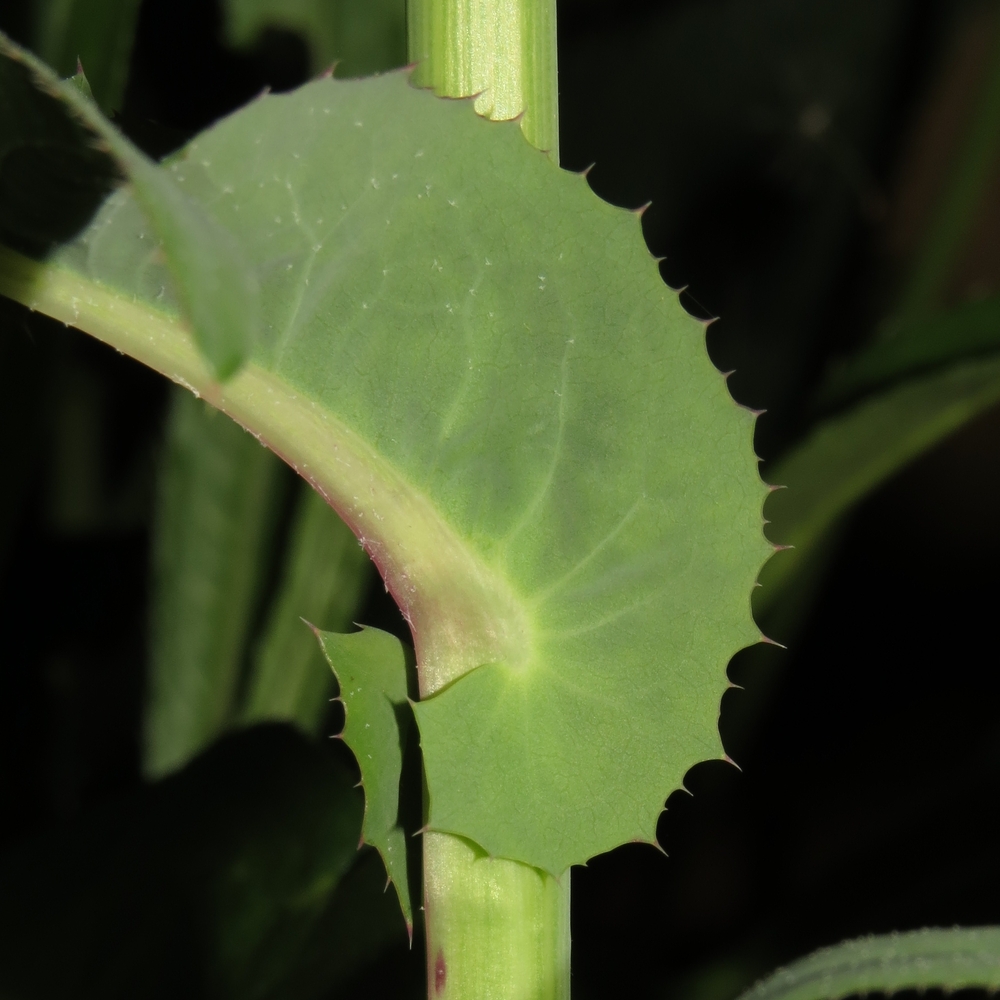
<point x="948" y="959"/>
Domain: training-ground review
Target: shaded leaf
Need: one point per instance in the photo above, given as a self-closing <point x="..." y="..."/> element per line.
<point x="968" y="330"/>
<point x="952" y="959"/>
<point x="98" y="33"/>
<point x="325" y="578"/>
<point x="218" y="497"/>
<point x="52" y="178"/>
<point x="213" y="280"/>
<point x="371" y="668"/>
<point x="846" y="457"/>
<point x="367" y="36"/>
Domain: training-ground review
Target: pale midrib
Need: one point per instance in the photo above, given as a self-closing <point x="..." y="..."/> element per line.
<point x="462" y="613"/>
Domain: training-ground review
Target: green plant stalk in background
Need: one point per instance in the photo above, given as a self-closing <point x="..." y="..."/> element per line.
<point x="325" y="578"/>
<point x="495" y="928"/>
<point x="953" y="218"/>
<point x="219" y="497"/>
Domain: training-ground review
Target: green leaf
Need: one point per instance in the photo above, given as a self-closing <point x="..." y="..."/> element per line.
<point x="966" y="331"/>
<point x="326" y="576"/>
<point x="218" y="495"/>
<point x="368" y="36"/>
<point x="846" y="457"/>
<point x="52" y="178"/>
<point x="213" y="280"/>
<point x="955" y="959"/>
<point x="97" y="33"/>
<point x="475" y="361"/>
<point x="371" y="668"/>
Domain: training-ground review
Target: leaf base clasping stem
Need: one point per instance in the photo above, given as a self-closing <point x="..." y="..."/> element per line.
<point x="502" y="52"/>
<point x="496" y="929"/>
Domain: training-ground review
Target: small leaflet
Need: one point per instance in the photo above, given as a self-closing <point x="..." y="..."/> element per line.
<point x="371" y="668"/>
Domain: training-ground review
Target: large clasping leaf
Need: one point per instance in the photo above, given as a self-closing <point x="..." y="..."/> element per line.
<point x="475" y="360"/>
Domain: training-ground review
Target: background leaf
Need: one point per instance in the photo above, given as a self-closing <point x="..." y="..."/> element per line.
<point x="52" y="178"/>
<point x="366" y="36"/>
<point x="213" y="280"/>
<point x="98" y="33"/>
<point x="967" y="331"/>
<point x="954" y="959"/>
<point x="326" y="577"/>
<point x="219" y="497"/>
<point x="848" y="456"/>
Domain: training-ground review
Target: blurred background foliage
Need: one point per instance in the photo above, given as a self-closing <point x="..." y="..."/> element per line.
<point x="824" y="176"/>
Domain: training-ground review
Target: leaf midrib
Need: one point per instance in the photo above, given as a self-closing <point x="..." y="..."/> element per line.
<point x="462" y="612"/>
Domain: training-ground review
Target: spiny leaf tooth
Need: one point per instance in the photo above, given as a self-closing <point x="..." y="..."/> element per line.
<point x="767" y="640"/>
<point x="370" y="667"/>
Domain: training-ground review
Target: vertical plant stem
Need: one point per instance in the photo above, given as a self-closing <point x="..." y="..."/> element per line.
<point x="955" y="215"/>
<point x="496" y="929"/>
<point x="504" y="51"/>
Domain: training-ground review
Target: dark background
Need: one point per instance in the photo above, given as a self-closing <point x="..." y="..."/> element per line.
<point x="792" y="150"/>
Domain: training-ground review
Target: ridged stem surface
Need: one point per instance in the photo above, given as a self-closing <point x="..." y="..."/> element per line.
<point x="502" y="52"/>
<point x="496" y="929"/>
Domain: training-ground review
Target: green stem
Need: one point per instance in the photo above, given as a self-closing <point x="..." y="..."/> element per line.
<point x="496" y="929"/>
<point x="504" y="51"/>
<point x="955" y="215"/>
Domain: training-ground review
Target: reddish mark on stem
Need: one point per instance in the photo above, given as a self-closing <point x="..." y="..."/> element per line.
<point x="440" y="973"/>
